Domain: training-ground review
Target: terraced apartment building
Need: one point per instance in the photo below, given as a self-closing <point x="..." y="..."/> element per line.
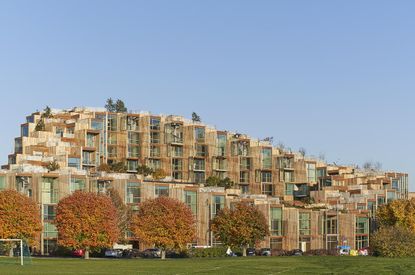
<point x="309" y="204"/>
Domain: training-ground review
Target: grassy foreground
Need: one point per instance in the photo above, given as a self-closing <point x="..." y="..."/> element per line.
<point x="250" y="265"/>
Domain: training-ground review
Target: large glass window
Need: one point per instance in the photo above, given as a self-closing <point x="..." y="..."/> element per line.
<point x="133" y="194"/>
<point x="362" y="242"/>
<point x="50" y="230"/>
<point x="155" y="124"/>
<point x="266" y="158"/>
<point x="267" y="189"/>
<point x="177" y="164"/>
<point x="201" y="150"/>
<point x="133" y="138"/>
<point x="199" y="164"/>
<point x="200" y="134"/>
<point x="289" y="189"/>
<point x="155" y="151"/>
<point x="199" y="177"/>
<point x="218" y="204"/>
<point x="331" y="225"/>
<point x="49" y="190"/>
<point x="176" y="151"/>
<point x="162" y="191"/>
<point x="112" y="139"/>
<point x="132" y="165"/>
<point x="221" y="140"/>
<point x="25" y="130"/>
<point x="112" y="123"/>
<point x="77" y="184"/>
<point x="276" y="221"/>
<point x="244" y="177"/>
<point x="155" y="137"/>
<point x="49" y="212"/>
<point x="266" y="177"/>
<point x="133" y="151"/>
<point x="305" y="223"/>
<point x="362" y="225"/>
<point x="191" y="200"/>
<point x="154" y="164"/>
<point x="311" y="172"/>
<point x="245" y="164"/>
<point x="74" y="162"/>
<point x="97" y="125"/>
<point x="90" y="140"/>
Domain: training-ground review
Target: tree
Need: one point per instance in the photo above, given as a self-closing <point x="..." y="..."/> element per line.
<point x="144" y="170"/>
<point x="165" y="222"/>
<point x="397" y="212"/>
<point x="19" y="217"/>
<point x="196" y="117"/>
<point x="40" y="126"/>
<point x="110" y="106"/>
<point x="120" y="106"/>
<point x="302" y="151"/>
<point x="53" y="166"/>
<point x="393" y="241"/>
<point x="86" y="221"/>
<point x="159" y="174"/>
<point x="118" y="167"/>
<point x="242" y="226"/>
<point x="227" y="183"/>
<point x="47" y="112"/>
<point x="123" y="213"/>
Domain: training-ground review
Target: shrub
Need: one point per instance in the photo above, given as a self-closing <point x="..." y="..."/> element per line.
<point x="393" y="241"/>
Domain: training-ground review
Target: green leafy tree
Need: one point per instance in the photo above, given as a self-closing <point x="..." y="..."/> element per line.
<point x="242" y="226"/>
<point x="196" y="117"/>
<point x="40" y="126"/>
<point x="53" y="166"/>
<point x="165" y="222"/>
<point x="213" y="181"/>
<point x="47" y="113"/>
<point x="144" y="170"/>
<point x="110" y="106"/>
<point x="120" y="106"/>
<point x="393" y="241"/>
<point x="118" y="167"/>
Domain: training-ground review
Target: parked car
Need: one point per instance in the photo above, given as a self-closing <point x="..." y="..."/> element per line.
<point x="152" y="253"/>
<point x="265" y="252"/>
<point x="250" y="251"/>
<point x="296" y="252"/>
<point x="114" y="253"/>
<point x="78" y="253"/>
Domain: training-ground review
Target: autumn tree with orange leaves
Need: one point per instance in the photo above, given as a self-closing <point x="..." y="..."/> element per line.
<point x="86" y="221"/>
<point x="19" y="217"/>
<point x="165" y="222"/>
<point x="242" y="226"/>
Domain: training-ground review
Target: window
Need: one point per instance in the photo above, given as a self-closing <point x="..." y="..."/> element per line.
<point x="154" y="164"/>
<point x="155" y="137"/>
<point x="199" y="135"/>
<point x="162" y="191"/>
<point x="267" y="189"/>
<point x="305" y="243"/>
<point x="24" y="185"/>
<point x="391" y="196"/>
<point x="199" y="164"/>
<point x="244" y="177"/>
<point x="276" y="244"/>
<point x="221" y="141"/>
<point x="49" y="212"/>
<point x="362" y="225"/>
<point x="288" y="176"/>
<point x="266" y="177"/>
<point x="103" y="186"/>
<point x="244" y="189"/>
<point x="332" y="242"/>
<point x="276" y="221"/>
<point x="381" y="200"/>
<point x="49" y="190"/>
<point x="177" y="164"/>
<point x="220" y="164"/>
<point x="395" y="184"/>
<point x="132" y="123"/>
<point x="174" y="133"/>
<point x="25" y="130"/>
<point x="133" y="138"/>
<point x="112" y="123"/>
<point x="311" y="172"/>
<point x="133" y="194"/>
<point x="331" y="225"/>
<point x="59" y="132"/>
<point x="199" y="177"/>
<point x="49" y="230"/>
<point x="266" y="158"/>
<point x="240" y="148"/>
<point x="177" y="151"/>
<point x="155" y="124"/>
<point x="191" y="200"/>
<point x="74" y="162"/>
<point x="362" y="242"/>
<point x="112" y="151"/>
<point x="112" y="139"/>
<point x="88" y="158"/>
<point x="18" y="147"/>
<point x="286" y="163"/>
<point x="77" y="184"/>
<point x="177" y="175"/>
<point x="218" y="204"/>
<point x="304" y="223"/>
<point x="201" y="150"/>
<point x="132" y="165"/>
<point x="97" y="125"/>
<point x="371" y="207"/>
<point x="245" y="164"/>
<point x="2" y="182"/>
<point x="289" y="189"/>
<point x="154" y="151"/>
<point x="133" y="151"/>
<point x="90" y="140"/>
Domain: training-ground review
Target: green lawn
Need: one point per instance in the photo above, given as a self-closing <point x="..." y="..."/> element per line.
<point x="250" y="265"/>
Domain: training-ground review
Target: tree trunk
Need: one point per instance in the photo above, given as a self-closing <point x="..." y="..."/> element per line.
<point x="244" y="251"/>
<point x="86" y="254"/>
<point x="163" y="254"/>
<point x="11" y="252"/>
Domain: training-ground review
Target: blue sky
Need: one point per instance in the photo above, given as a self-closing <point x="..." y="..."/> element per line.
<point x="334" y="77"/>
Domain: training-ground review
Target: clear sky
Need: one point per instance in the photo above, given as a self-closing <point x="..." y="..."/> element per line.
<point x="334" y="77"/>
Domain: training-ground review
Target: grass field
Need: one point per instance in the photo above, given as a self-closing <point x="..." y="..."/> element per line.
<point x="251" y="265"/>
